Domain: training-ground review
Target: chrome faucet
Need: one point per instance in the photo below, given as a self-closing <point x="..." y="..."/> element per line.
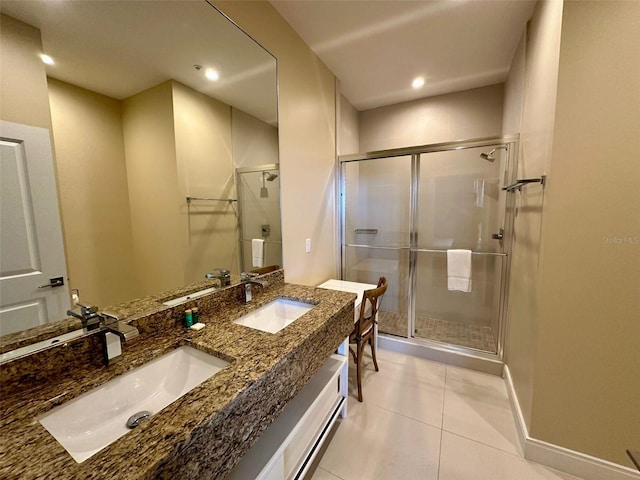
<point x="88" y="314"/>
<point x="248" y="279"/>
<point x="222" y="274"/>
<point x="111" y="328"/>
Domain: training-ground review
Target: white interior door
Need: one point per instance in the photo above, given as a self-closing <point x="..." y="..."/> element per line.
<point x="31" y="247"/>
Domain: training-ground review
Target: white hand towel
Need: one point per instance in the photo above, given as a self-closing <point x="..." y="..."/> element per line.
<point x="459" y="270"/>
<point x="257" y="252"/>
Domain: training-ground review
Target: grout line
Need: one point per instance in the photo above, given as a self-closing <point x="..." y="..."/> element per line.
<point x="483" y="387"/>
<point x="330" y="472"/>
<point x="444" y="396"/>
<point x="517" y="455"/>
<point x="406" y="416"/>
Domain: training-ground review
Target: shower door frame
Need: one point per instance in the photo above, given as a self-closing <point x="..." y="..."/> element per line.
<point x="511" y="141"/>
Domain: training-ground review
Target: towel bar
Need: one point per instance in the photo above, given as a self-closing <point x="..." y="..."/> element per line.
<point x="191" y="199"/>
<point x="519" y="183"/>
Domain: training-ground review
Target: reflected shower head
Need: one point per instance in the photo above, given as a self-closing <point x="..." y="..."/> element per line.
<point x="269" y="177"/>
<point x="489" y="156"/>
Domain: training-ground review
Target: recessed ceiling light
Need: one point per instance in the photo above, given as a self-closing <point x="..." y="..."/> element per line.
<point x="418" y="82"/>
<point x="47" y="59"/>
<point x="211" y="74"/>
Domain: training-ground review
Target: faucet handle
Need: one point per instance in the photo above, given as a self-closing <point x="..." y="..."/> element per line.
<point x="88" y="314"/>
<point x="221" y="274"/>
<point x="87" y="309"/>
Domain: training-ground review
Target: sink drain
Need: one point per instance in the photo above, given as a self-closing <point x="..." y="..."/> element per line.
<point x="137" y="418"/>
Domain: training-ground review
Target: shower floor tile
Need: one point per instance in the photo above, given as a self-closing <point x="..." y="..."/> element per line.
<point x="480" y="338"/>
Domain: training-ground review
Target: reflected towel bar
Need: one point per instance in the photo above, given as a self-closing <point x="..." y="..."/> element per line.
<point x="190" y="199"/>
<point x="519" y="183"/>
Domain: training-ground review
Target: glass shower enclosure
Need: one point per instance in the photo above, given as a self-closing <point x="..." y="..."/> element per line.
<point x="402" y="209"/>
<point x="258" y="190"/>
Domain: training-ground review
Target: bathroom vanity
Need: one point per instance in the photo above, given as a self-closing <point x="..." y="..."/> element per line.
<point x="285" y="387"/>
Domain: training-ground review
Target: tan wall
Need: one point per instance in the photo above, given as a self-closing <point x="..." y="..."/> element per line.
<point x="254" y="142"/>
<point x="23" y="92"/>
<point x="514" y="90"/>
<point x="306" y="125"/>
<point x="529" y="108"/>
<point x="443" y="118"/>
<point x="92" y="181"/>
<point x="205" y="169"/>
<point x="586" y="380"/>
<point x="573" y="302"/>
<point x="179" y="143"/>
<point x="349" y="138"/>
<point x="154" y="195"/>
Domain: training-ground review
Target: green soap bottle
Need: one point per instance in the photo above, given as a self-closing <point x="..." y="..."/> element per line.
<point x="188" y="318"/>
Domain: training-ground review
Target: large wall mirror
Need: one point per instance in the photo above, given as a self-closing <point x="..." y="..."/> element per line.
<point x="164" y="146"/>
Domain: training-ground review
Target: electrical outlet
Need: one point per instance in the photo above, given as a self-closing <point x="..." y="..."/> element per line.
<point x="307" y="245"/>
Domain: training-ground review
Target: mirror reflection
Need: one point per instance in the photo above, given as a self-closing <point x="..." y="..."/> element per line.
<point x="164" y="152"/>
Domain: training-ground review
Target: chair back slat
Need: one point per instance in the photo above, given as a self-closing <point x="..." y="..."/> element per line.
<point x="365" y="323"/>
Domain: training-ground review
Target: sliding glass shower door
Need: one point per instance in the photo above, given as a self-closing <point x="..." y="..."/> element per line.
<point x="377" y="226"/>
<point x="460" y="205"/>
<point x="400" y="215"/>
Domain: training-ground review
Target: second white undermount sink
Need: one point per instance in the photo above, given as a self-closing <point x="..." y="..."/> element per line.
<point x="92" y="421"/>
<point x="274" y="316"/>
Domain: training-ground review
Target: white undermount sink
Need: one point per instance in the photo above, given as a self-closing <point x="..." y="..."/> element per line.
<point x="274" y="316"/>
<point x="200" y="293"/>
<point x="95" y="419"/>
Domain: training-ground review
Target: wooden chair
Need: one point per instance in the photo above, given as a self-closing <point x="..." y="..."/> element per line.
<point x="364" y="330"/>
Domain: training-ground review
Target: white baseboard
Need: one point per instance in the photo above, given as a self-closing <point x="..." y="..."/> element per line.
<point x="560" y="458"/>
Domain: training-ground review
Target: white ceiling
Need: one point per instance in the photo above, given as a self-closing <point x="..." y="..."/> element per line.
<point x="120" y="48"/>
<point x="376" y="48"/>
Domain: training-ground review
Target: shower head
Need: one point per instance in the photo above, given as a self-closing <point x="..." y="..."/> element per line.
<point x="270" y="176"/>
<point x="489" y="156"/>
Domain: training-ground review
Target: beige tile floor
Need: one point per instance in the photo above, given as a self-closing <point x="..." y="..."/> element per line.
<point x="428" y="421"/>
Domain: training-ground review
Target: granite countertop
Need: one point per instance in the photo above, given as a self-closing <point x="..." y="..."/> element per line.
<point x="130" y="309"/>
<point x="204" y="433"/>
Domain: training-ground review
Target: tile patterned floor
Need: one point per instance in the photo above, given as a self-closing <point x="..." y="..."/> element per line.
<point x="480" y="338"/>
<point x="428" y="421"/>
